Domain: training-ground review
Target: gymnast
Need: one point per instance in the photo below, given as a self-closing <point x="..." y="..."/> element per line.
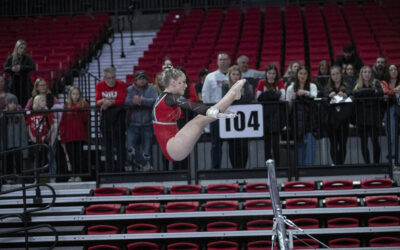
<point x="177" y="144"/>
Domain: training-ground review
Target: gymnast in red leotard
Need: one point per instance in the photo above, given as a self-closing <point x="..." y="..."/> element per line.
<point x="177" y="144"/>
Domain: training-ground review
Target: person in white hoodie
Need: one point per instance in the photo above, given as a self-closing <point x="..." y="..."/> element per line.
<point x="211" y="94"/>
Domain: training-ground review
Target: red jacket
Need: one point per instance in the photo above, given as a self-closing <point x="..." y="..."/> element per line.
<point x="73" y="125"/>
<point x="117" y="93"/>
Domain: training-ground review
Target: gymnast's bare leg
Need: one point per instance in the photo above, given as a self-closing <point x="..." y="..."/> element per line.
<point x="180" y="146"/>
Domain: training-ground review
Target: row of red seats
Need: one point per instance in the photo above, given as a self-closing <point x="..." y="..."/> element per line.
<point x="259" y="224"/>
<point x="382" y="241"/>
<point x="249" y="187"/>
<point x="257" y="204"/>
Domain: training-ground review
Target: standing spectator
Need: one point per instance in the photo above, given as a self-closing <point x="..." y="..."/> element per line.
<point x="74" y="131"/>
<point x="15" y="135"/>
<point x="110" y="97"/>
<point x="158" y="84"/>
<point x="40" y="127"/>
<point x="238" y="148"/>
<point x="140" y="98"/>
<point x="379" y="69"/>
<point x="303" y="92"/>
<point x="338" y="116"/>
<point x="350" y="76"/>
<point x="40" y="87"/>
<point x="368" y="112"/>
<point x="199" y="86"/>
<point x="243" y="63"/>
<point x="290" y="75"/>
<point x="391" y="88"/>
<point x="211" y="94"/>
<point x="321" y="80"/>
<point x="3" y="93"/>
<point x="349" y="56"/>
<point x="19" y="64"/>
<point x="270" y="91"/>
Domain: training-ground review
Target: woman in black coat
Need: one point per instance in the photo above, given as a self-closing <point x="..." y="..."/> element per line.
<point x="368" y="112"/>
<point x="18" y="65"/>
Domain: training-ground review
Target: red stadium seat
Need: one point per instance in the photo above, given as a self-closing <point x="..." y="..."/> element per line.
<point x="306" y="223"/>
<point x="382" y="200"/>
<point x="142" y="245"/>
<point x="104" y="247"/>
<point x="185" y="189"/>
<point x="110" y="191"/>
<point x="182" y="227"/>
<point x="148" y="190"/>
<point x="341" y="202"/>
<point x="183" y="246"/>
<point x="298" y="186"/>
<point x="258" y="204"/>
<point x="175" y="207"/>
<point x="295" y="203"/>
<point x="102" y="229"/>
<point x="384" y="242"/>
<point x="222" y="226"/>
<point x="259" y="224"/>
<point x="226" y="245"/>
<point x="337" y="184"/>
<point x="344" y="243"/>
<point x="221" y="205"/>
<point x="141" y="228"/>
<point x="341" y="222"/>
<point x="256" y="187"/>
<point x="383" y="221"/>
<point x="305" y="244"/>
<point x="222" y="188"/>
<point x="144" y="207"/>
<point x="260" y="245"/>
<point x="376" y="183"/>
<point x="103" y="209"/>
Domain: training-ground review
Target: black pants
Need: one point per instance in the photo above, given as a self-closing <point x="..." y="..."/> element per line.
<point x="75" y="153"/>
<point x="338" y="140"/>
<point x="271" y="144"/>
<point x="238" y="152"/>
<point x="13" y="162"/>
<point x="373" y="132"/>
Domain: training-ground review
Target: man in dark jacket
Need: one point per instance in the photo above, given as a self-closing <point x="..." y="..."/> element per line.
<point x="379" y="69"/>
<point x="349" y="56"/>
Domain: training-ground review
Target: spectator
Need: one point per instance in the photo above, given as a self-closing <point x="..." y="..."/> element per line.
<point x="303" y="92"/>
<point x="15" y="135"/>
<point x="270" y="91"/>
<point x="19" y="64"/>
<point x="158" y="83"/>
<point x="338" y="116"/>
<point x="290" y="75"/>
<point x="350" y="76"/>
<point x="321" y="80"/>
<point x="3" y="93"/>
<point x="212" y="93"/>
<point x="74" y="132"/>
<point x="349" y="56"/>
<point x="40" y="87"/>
<point x="368" y="112"/>
<point x="40" y="127"/>
<point x="243" y="63"/>
<point x="110" y="97"/>
<point x="199" y="86"/>
<point x="391" y="88"/>
<point x="140" y="98"/>
<point x="379" y="69"/>
<point x="238" y="148"/>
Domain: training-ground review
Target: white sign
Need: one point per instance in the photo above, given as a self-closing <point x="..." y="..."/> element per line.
<point x="249" y="122"/>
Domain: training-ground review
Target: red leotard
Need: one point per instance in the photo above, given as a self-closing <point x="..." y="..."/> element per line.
<point x="166" y="111"/>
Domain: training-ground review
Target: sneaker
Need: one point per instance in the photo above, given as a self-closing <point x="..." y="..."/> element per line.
<point x="71" y="179"/>
<point x="78" y="179"/>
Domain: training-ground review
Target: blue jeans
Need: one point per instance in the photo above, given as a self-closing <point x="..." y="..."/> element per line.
<point x="216" y="145"/>
<point x="392" y="129"/>
<point x="139" y="138"/>
<point x="306" y="150"/>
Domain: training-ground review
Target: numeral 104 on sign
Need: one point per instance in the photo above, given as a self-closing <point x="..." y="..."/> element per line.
<point x="248" y="122"/>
